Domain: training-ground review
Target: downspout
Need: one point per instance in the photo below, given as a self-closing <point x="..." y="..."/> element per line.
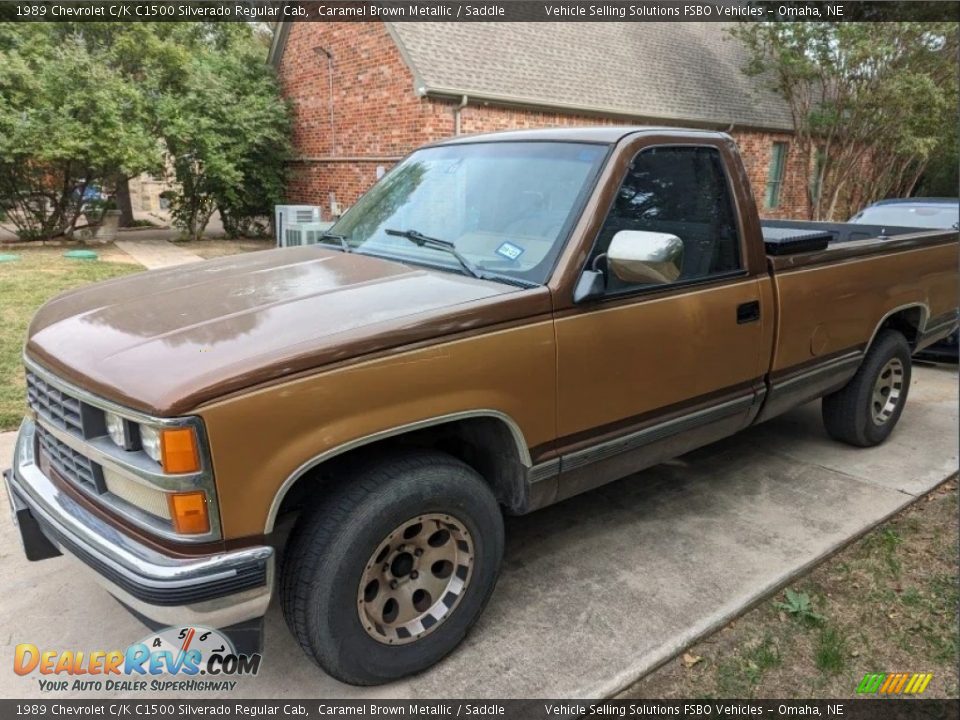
<point x="456" y="115"/>
<point x="333" y="132"/>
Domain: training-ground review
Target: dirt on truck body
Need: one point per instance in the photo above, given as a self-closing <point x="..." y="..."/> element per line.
<point x="502" y="322"/>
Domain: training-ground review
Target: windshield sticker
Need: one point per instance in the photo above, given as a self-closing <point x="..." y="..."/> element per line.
<point x="509" y="251"/>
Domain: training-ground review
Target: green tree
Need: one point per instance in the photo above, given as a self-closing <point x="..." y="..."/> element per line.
<point x="150" y="56"/>
<point x="941" y="178"/>
<point x="227" y="132"/>
<point x="870" y="102"/>
<point x="158" y="58"/>
<point x="92" y="104"/>
<point x="68" y="123"/>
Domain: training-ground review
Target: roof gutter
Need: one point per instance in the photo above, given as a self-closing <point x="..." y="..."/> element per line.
<point x="279" y="42"/>
<point x="528" y="103"/>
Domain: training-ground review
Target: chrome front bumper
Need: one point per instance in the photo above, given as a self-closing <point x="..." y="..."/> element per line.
<point x="222" y="590"/>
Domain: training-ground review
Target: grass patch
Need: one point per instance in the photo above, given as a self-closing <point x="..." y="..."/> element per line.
<point x="25" y="284"/>
<point x="887" y="603"/>
<point x="885" y="543"/>
<point x="831" y="651"/>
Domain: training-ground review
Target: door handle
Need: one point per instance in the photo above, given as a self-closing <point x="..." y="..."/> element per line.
<point x="748" y="312"/>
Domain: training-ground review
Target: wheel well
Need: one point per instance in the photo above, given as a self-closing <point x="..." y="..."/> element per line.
<point x="485" y="443"/>
<point x="906" y="321"/>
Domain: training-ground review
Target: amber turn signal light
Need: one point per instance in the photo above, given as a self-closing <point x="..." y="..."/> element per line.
<point x="178" y="450"/>
<point x="189" y="512"/>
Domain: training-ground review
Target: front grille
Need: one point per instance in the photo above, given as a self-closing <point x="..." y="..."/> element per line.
<point x="70" y="464"/>
<point x="54" y="405"/>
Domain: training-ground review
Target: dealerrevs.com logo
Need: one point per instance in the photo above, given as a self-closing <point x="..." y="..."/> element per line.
<point x="191" y="658"/>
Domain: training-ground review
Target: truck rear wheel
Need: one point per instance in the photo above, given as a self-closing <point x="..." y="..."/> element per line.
<point x="865" y="411"/>
<point x="384" y="576"/>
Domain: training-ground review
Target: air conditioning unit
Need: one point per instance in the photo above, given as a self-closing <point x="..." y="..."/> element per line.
<point x="298" y="234"/>
<point x="287" y="215"/>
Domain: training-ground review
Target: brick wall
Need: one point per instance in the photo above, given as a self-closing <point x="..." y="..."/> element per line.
<point x="756" y="149"/>
<point x="377" y="117"/>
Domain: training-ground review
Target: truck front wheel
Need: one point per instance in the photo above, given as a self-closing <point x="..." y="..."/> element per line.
<point x="384" y="576"/>
<point x="865" y="411"/>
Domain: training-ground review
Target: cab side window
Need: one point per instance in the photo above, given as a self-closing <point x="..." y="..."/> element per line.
<point x="682" y="191"/>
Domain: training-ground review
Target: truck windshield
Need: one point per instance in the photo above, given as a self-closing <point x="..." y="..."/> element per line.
<point x="506" y="206"/>
<point x="944" y="215"/>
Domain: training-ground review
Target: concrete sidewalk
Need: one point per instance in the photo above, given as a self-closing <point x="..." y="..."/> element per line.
<point x="154" y="252"/>
<point x="600" y="589"/>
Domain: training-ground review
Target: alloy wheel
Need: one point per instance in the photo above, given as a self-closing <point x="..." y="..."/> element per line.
<point x="887" y="391"/>
<point x="415" y="578"/>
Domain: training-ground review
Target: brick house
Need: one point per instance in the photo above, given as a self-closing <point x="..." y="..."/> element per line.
<point x="364" y="94"/>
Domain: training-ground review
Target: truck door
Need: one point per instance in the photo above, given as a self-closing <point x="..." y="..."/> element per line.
<point x="650" y="371"/>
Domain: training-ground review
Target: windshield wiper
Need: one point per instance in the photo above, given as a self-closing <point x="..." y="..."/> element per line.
<point x="342" y="239"/>
<point x="421" y="240"/>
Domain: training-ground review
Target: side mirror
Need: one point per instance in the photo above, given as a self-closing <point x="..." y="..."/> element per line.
<point x="645" y="258"/>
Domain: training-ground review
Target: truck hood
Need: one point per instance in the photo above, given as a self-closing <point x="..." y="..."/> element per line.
<point x="165" y="341"/>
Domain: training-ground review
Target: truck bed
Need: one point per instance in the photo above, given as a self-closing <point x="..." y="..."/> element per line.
<point x="786" y="237"/>
<point x="827" y="298"/>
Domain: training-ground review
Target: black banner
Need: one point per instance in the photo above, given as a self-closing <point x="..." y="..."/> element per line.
<point x="451" y="11"/>
<point x="874" y="709"/>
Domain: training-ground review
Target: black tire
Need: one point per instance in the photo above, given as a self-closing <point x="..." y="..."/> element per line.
<point x="848" y="413"/>
<point x="327" y="555"/>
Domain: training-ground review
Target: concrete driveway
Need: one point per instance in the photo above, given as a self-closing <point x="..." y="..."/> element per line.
<point x="595" y="591"/>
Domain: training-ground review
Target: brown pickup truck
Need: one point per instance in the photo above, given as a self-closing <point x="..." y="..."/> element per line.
<point x="502" y="322"/>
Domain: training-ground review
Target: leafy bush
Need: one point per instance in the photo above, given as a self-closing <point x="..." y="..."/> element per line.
<point x="140" y="223"/>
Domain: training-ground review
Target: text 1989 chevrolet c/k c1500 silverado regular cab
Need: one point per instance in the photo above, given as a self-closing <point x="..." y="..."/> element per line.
<point x="502" y="322"/>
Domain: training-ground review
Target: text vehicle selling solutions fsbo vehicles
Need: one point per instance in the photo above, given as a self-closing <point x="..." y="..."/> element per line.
<point x="502" y="322"/>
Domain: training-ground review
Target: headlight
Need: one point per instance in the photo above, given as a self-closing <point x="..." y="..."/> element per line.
<point x="116" y="429"/>
<point x="150" y="441"/>
<point x="170" y="505"/>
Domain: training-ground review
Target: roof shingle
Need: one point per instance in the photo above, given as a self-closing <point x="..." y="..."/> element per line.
<point x="676" y="72"/>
